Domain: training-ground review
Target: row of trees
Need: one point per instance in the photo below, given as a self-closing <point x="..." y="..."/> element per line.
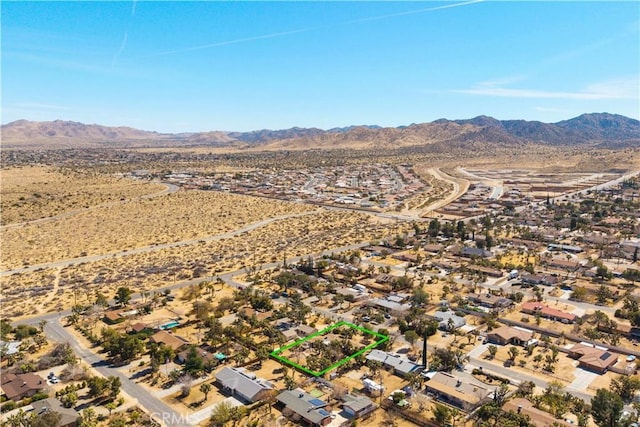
<point x="606" y="407"/>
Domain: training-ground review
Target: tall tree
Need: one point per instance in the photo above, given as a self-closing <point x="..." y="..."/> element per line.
<point x="114" y="386"/>
<point x="513" y="353"/>
<point x="493" y="350"/>
<point x="88" y="418"/>
<point x="606" y="408"/>
<point x="97" y="386"/>
<point x="221" y="414"/>
<point x="194" y="364"/>
<point x="101" y="300"/>
<point x="123" y="295"/>
<point x="411" y="336"/>
<point x="434" y="227"/>
<point x="5" y="328"/>
<point x="625" y="387"/>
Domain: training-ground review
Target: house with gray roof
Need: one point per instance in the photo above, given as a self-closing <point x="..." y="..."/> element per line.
<point x="69" y="417"/>
<point x="448" y="320"/>
<point x="243" y="384"/>
<point x="391" y="304"/>
<point x="9" y="348"/>
<point x="400" y="364"/>
<point x="304" y="409"/>
<point x="469" y="252"/>
<point x="358" y="406"/>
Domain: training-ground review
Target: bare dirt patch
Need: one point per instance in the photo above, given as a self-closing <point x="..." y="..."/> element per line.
<point x="34" y="192"/>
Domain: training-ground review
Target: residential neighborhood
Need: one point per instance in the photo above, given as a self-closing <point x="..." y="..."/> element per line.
<point x="467" y="323"/>
<point x="307" y="213"/>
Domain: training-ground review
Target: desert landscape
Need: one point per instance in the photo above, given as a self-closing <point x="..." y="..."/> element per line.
<point x="320" y="214"/>
<point x="234" y="234"/>
<point x="37" y="192"/>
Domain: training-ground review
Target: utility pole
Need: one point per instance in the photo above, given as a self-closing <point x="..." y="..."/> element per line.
<point x="424" y="352"/>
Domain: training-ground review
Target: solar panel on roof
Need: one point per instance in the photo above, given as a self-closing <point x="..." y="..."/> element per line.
<point x="605" y="355"/>
<point x="317" y="402"/>
<point x="324" y="413"/>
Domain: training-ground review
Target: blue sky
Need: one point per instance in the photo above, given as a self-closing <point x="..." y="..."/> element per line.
<point x="196" y="66"/>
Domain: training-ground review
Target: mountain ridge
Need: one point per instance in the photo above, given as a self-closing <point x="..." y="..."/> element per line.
<point x="600" y="129"/>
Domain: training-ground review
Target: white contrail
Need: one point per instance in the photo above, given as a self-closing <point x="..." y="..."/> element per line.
<point x="228" y="42"/>
<point x="304" y="30"/>
<point x="411" y="12"/>
<point x="123" y="45"/>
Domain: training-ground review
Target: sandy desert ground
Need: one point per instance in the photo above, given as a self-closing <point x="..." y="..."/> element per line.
<point x="192" y="222"/>
<point x="170" y="218"/>
<point x="34" y="192"/>
<point x="286" y="238"/>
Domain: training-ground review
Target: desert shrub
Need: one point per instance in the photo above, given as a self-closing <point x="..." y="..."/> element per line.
<point x="9" y="406"/>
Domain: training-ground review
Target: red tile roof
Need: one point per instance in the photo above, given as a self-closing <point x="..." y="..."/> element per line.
<point x="545" y="311"/>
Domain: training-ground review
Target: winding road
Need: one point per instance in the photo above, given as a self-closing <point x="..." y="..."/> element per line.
<point x="460" y="186"/>
<point x="162" y="412"/>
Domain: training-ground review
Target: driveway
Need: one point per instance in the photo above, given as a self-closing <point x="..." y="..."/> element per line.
<point x="583" y="379"/>
<point x="204" y="414"/>
<point x="477" y="352"/>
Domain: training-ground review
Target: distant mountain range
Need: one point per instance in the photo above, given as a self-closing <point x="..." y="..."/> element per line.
<point x="597" y="129"/>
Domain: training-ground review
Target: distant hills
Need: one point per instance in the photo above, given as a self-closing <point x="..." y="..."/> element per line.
<point x="597" y="129"/>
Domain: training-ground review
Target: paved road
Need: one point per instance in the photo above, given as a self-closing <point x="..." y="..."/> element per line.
<point x="496" y="185"/>
<point x="170" y="188"/>
<point x="497" y="192"/>
<point x="460" y="187"/>
<point x="158" y="409"/>
<point x="517" y="376"/>
<point x="163" y="413"/>
<point x="56" y="332"/>
<point x="227" y="277"/>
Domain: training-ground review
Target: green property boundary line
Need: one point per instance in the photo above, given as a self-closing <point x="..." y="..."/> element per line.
<point x="276" y="353"/>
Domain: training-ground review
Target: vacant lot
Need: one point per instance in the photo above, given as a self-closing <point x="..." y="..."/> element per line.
<point x="319" y="352"/>
<point x="161" y="267"/>
<point x="35" y="192"/>
<point x="169" y="218"/>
